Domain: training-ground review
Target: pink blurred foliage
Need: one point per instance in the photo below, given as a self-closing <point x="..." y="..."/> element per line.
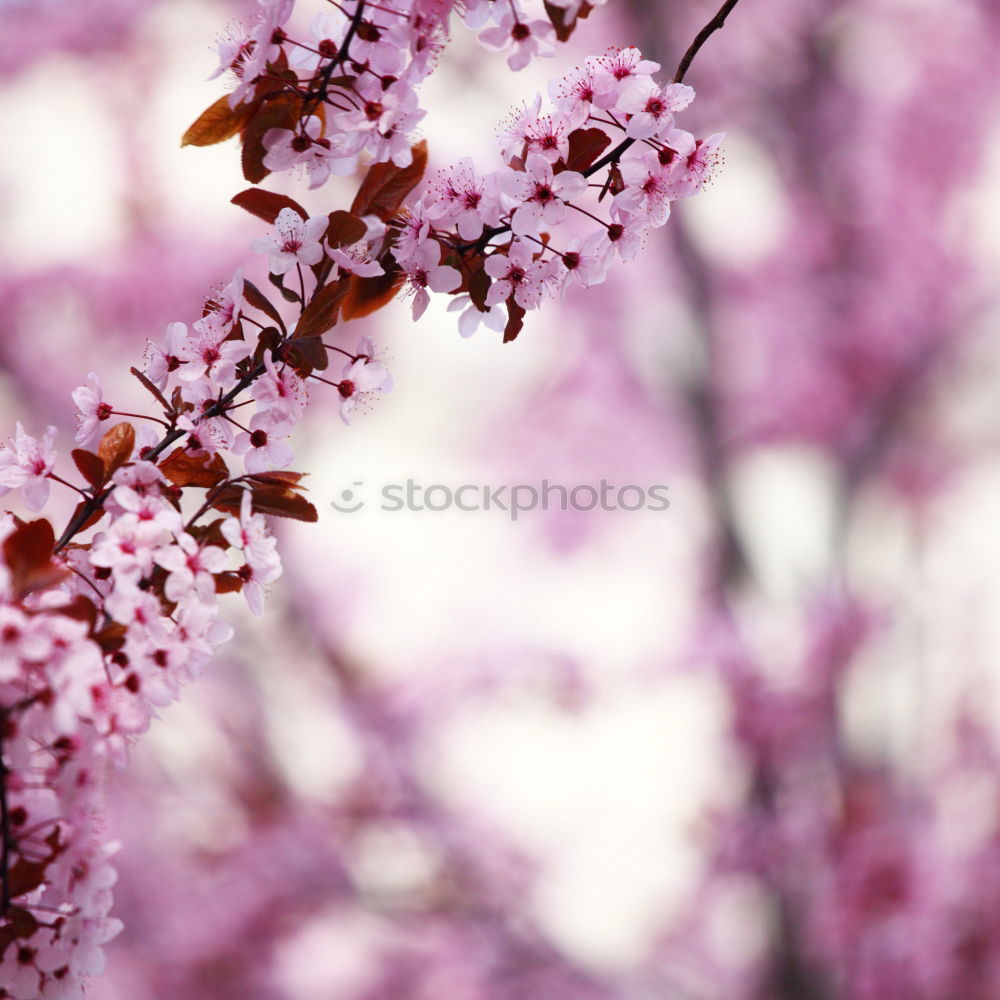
<point x="597" y="415"/>
<point x="841" y="338"/>
<point x="119" y="301"/>
<point x="286" y="907"/>
<point x="838" y="334"/>
<point x="55" y="314"/>
<point x="34" y="29"/>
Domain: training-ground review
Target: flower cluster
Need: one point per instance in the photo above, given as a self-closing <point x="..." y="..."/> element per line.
<point x="56" y="710"/>
<point x="347" y="90"/>
<point x="96" y="636"/>
<point x="104" y="624"/>
<point x="540" y="226"/>
<point x="555" y="216"/>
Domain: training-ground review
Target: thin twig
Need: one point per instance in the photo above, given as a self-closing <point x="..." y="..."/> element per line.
<point x="703" y="36"/>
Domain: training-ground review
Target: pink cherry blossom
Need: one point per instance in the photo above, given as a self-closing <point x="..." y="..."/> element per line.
<point x="516" y="274"/>
<point x="357" y="259"/>
<point x="361" y="378"/>
<point x="161" y="361"/>
<point x="223" y="309"/>
<point x="327" y="28"/>
<point x="281" y="391"/>
<point x="627" y="235"/>
<point x="614" y="71"/>
<point x="308" y="149"/>
<point x="540" y="195"/>
<point x="263" y="565"/>
<point x="648" y="189"/>
<point x="130" y="544"/>
<point x="423" y="270"/>
<point x="548" y="136"/>
<point x="133" y="484"/>
<point x="574" y="94"/>
<point x="526" y="38"/>
<point x="264" y="445"/>
<point x="247" y="56"/>
<point x="651" y="108"/>
<point x="190" y="567"/>
<point x="293" y="240"/>
<point x="471" y="317"/>
<point x="211" y="432"/>
<point x="583" y="262"/>
<point x="463" y="199"/>
<point x="26" y="463"/>
<point x="91" y="409"/>
<point x="385" y="118"/>
<point x="694" y="170"/>
<point x="513" y="135"/>
<point x="208" y="354"/>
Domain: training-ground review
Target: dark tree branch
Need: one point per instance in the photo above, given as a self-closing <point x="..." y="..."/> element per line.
<point x="703" y="36"/>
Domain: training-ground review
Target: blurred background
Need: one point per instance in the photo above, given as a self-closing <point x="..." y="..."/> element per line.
<point x="742" y="748"/>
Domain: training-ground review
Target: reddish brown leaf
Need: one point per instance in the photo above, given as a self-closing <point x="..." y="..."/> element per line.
<point x="266" y="204"/>
<point x="21" y="923"/>
<point x="565" y="27"/>
<point x="183" y="468"/>
<point x="281" y="112"/>
<point x="515" y="321"/>
<point x="91" y="466"/>
<point x="279" y="477"/>
<point x="278" y="68"/>
<point x="365" y="295"/>
<point x="281" y="501"/>
<point x="111" y="638"/>
<point x="210" y="534"/>
<point x="267" y="340"/>
<point x="344" y="229"/>
<point x="237" y="333"/>
<point x="25" y="876"/>
<point x="94" y="517"/>
<point x="116" y="447"/>
<point x="479" y="285"/>
<point x="81" y="609"/>
<point x="386" y="186"/>
<point x="307" y="356"/>
<point x="278" y="280"/>
<point x="218" y="123"/>
<point x="28" y="554"/>
<point x="260" y="301"/>
<point x="585" y="146"/>
<point x="321" y="313"/>
<point x="228" y="583"/>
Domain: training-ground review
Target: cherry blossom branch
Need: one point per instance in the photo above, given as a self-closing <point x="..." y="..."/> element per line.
<point x="703" y="36"/>
<point x="92" y="506"/>
<point x="342" y="54"/>
<point x="132" y="614"/>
